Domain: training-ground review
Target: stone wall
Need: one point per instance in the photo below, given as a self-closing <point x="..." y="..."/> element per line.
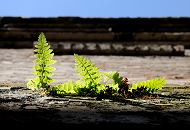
<point x="126" y="36"/>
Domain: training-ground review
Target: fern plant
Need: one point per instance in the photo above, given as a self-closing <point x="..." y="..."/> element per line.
<point x="90" y="81"/>
<point x="90" y="76"/>
<point x="113" y="79"/>
<point x="43" y="65"/>
<point x="140" y="89"/>
<point x="67" y="88"/>
<point x="145" y="88"/>
<point x="150" y="85"/>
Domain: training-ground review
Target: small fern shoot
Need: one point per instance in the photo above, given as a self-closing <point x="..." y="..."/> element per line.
<point x="150" y="85"/>
<point x="63" y="89"/>
<point x="113" y="79"/>
<point x="43" y="65"/>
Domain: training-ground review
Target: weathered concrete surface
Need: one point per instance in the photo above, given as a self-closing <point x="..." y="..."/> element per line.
<point x="16" y="65"/>
<point x="21" y="108"/>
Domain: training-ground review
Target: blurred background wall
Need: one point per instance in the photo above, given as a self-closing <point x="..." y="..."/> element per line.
<point x="110" y="36"/>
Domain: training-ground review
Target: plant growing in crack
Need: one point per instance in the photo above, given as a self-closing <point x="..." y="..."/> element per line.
<point x="114" y="85"/>
<point x="43" y="65"/>
<point x="90" y="82"/>
<point x="63" y="89"/>
<point x="141" y="88"/>
<point x="91" y="79"/>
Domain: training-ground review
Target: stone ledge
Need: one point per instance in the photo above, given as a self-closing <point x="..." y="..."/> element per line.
<point x="21" y="107"/>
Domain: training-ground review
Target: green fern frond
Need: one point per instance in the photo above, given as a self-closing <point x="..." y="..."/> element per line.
<point x="82" y="90"/>
<point x="150" y="85"/>
<point x="87" y="71"/>
<point x="34" y="83"/>
<point x="42" y="68"/>
<point x="63" y="89"/>
<point x="90" y="77"/>
<point x="113" y="79"/>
